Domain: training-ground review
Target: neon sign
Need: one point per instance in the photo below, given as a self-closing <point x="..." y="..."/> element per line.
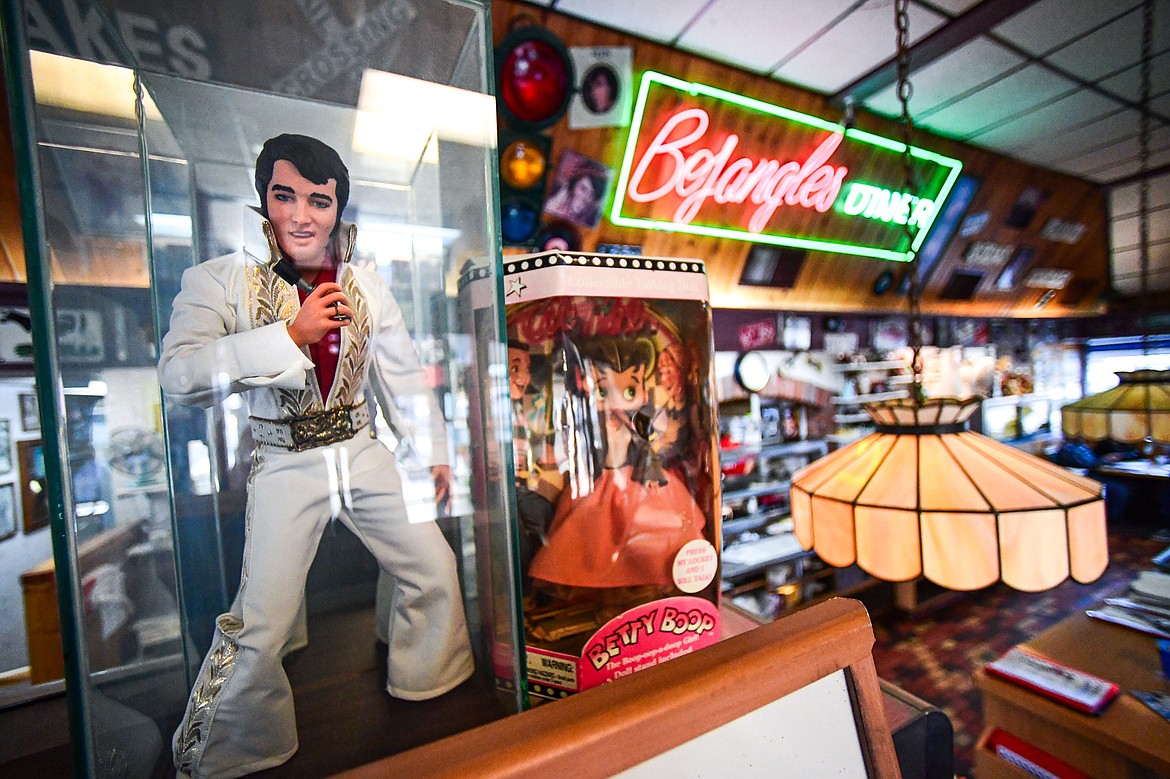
<point x="704" y="161"/>
<point x="896" y="207"/>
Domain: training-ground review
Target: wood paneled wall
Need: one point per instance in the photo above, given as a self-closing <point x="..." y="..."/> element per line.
<point x="12" y="266"/>
<point x="837" y="282"/>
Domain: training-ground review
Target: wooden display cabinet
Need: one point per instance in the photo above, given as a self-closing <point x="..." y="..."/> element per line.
<point x="39" y="585"/>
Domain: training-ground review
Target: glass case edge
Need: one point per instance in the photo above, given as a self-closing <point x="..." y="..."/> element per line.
<point x="50" y="400"/>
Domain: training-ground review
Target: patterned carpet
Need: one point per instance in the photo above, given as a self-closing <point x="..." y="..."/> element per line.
<point x="934" y="653"/>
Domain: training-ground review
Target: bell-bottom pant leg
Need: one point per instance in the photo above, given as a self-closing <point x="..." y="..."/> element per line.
<point x="429" y="648"/>
<point x="240" y="717"/>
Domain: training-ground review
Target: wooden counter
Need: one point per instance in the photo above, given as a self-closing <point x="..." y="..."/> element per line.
<point x="1128" y="739"/>
<point x="39" y="584"/>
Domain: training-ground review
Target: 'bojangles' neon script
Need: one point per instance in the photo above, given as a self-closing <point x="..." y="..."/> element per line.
<point x="687" y="172"/>
<point x="811" y="183"/>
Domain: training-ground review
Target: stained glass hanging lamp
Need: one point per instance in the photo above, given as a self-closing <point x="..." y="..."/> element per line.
<point x="924" y="496"/>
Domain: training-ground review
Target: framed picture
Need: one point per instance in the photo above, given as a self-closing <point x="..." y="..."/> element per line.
<point x="34" y="497"/>
<point x="15" y="336"/>
<point x="603" y="95"/>
<point x="7" y="511"/>
<point x="579" y="189"/>
<point x="5" y="446"/>
<point x="30" y="419"/>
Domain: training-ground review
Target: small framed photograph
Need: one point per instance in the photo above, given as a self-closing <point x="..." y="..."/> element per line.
<point x="34" y="498"/>
<point x="5" y="446"/>
<point x="579" y="189"/>
<point x="30" y="419"/>
<point x="7" y="511"/>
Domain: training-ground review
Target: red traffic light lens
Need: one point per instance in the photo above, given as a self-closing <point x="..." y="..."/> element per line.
<point x="535" y="81"/>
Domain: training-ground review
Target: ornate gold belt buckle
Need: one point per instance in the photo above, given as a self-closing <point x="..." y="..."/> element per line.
<point x="324" y="427"/>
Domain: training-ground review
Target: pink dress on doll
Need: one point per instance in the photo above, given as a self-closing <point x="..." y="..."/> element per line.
<point x="627" y="529"/>
<point x="622" y="534"/>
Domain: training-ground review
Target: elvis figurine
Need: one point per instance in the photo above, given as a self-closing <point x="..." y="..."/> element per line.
<point x="306" y="355"/>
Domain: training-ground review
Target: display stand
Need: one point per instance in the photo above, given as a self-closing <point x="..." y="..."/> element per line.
<point x="802" y="688"/>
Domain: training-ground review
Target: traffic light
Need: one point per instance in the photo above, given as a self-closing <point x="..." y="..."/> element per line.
<point x="534" y="76"/>
<point x="524" y="164"/>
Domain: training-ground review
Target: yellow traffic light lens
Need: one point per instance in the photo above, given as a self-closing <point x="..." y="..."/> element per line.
<point x="522" y="165"/>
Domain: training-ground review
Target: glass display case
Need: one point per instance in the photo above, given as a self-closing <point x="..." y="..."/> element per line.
<point x="138" y="133"/>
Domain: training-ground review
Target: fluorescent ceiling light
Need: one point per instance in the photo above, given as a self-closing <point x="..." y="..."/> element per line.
<point x="398" y="115"/>
<point x="89" y="87"/>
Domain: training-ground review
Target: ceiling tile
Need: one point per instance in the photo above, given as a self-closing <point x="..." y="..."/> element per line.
<point x="1112" y="48"/>
<point x="757" y="35"/>
<point x="971" y="65"/>
<point x="1161" y="105"/>
<point x="1050" y="24"/>
<point x="1128" y="83"/>
<point x="859" y="43"/>
<point x="1105" y="168"/>
<point x="1124" y="150"/>
<point x="1124" y="200"/>
<point x="1028" y="87"/>
<point x="1037" y="126"/>
<point x="955" y="7"/>
<point x="1063" y="143"/>
<point x="658" y="20"/>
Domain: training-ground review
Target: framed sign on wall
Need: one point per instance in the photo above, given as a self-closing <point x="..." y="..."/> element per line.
<point x="34" y="496"/>
<point x="7" y="511"/>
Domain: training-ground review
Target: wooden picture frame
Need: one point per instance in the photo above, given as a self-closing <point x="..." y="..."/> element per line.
<point x="709" y="704"/>
<point x="7" y="511"/>
<point x="5" y="446"/>
<point x="34" y="498"/>
<point x="30" y="419"/>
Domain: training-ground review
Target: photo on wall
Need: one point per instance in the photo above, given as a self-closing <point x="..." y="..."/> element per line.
<point x="5" y="446"/>
<point x="579" y="190"/>
<point x="34" y="497"/>
<point x="30" y="418"/>
<point x="15" y="336"/>
<point x="7" y="511"/>
<point x="604" y="87"/>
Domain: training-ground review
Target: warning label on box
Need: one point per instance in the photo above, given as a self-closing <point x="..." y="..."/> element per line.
<point x="553" y="669"/>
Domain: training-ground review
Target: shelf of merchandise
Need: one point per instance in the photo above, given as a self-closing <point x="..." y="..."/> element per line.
<point x="848" y="436"/>
<point x="766" y="573"/>
<point x="819" y="573"/>
<point x="748" y="565"/>
<point x="759" y="518"/>
<point x="876" y="365"/>
<point x="907" y="378"/>
<point x="853" y="423"/>
<point x="784" y="449"/>
<point x="756" y="491"/>
<point x="781" y="548"/>
<point x="873" y="397"/>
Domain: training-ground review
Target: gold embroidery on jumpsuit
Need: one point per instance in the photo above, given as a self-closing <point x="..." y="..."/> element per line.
<point x="272" y="299"/>
<point x="216" y="671"/>
<point x="355" y="346"/>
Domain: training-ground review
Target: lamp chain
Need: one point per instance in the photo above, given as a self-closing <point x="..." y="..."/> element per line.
<point x="1144" y="184"/>
<point x="905" y="91"/>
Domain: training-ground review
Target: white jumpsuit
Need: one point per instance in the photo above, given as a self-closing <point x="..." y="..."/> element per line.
<point x="228" y="334"/>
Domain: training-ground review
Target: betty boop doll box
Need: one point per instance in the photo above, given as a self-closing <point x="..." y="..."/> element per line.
<point x="615" y="476"/>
